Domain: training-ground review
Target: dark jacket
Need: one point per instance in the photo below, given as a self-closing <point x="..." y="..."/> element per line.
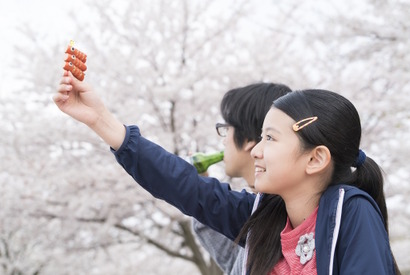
<point x="350" y="236"/>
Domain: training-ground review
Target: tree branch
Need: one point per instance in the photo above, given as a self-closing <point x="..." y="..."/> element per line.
<point x="154" y="243"/>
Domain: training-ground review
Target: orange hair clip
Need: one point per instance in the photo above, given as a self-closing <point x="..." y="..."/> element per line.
<point x="76" y="62"/>
<point x="77" y="73"/>
<point x="303" y="123"/>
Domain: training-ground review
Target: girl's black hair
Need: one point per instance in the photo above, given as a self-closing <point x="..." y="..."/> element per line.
<point x="245" y="109"/>
<point x="338" y="128"/>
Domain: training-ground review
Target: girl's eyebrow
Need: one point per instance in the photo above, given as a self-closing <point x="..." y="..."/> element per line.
<point x="271" y="129"/>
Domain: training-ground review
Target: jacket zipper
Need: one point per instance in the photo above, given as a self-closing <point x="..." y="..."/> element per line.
<point x="337" y="228"/>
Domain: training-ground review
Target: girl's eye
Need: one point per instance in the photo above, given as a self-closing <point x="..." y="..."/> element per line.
<point x="265" y="137"/>
<point x="268" y="137"/>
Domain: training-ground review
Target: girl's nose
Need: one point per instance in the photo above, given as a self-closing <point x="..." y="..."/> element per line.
<point x="256" y="151"/>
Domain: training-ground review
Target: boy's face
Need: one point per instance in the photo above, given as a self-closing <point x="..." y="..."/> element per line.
<point x="236" y="159"/>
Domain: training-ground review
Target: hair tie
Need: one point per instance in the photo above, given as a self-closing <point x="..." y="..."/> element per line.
<point x="360" y="159"/>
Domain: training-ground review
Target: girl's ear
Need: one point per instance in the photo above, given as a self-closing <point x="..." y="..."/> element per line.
<point x="320" y="159"/>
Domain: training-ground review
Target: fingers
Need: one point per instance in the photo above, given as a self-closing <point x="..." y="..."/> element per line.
<point x="73" y="80"/>
<point x="57" y="98"/>
<point x="63" y="89"/>
<point x="66" y="78"/>
<point x="78" y="85"/>
<point x="65" y="83"/>
<point x="68" y="82"/>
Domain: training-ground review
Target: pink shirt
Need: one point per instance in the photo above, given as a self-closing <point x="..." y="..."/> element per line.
<point x="298" y="241"/>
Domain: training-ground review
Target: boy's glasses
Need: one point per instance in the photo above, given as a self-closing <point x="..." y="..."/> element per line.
<point x="222" y="129"/>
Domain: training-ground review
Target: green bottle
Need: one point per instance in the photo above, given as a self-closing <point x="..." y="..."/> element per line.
<point x="202" y="161"/>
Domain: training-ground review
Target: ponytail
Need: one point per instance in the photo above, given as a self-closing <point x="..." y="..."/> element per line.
<point x="369" y="178"/>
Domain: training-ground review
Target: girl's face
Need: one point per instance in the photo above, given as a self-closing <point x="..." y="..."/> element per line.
<point x="279" y="161"/>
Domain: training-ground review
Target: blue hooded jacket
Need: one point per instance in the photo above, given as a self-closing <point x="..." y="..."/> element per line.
<point x="350" y="237"/>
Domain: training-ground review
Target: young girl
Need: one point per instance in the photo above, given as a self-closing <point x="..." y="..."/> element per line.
<point x="315" y="214"/>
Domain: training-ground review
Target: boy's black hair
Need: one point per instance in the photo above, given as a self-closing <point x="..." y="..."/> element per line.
<point x="245" y="109"/>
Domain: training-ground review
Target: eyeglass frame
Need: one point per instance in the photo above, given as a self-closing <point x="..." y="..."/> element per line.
<point x="225" y="126"/>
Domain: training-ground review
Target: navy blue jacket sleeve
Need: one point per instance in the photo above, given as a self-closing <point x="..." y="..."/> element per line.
<point x="170" y="178"/>
<point x="363" y="245"/>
